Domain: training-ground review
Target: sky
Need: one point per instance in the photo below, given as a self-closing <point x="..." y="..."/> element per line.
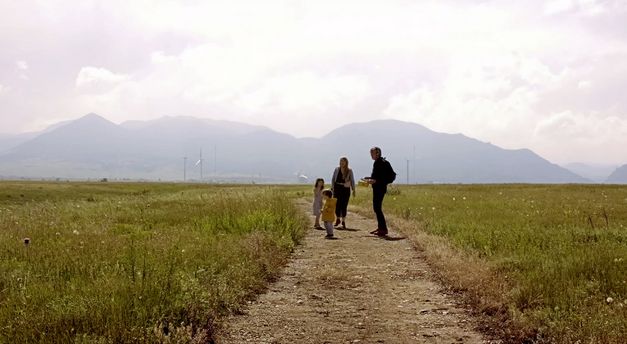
<point x="550" y="76"/>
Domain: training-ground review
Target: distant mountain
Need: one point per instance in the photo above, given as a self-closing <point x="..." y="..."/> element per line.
<point x="93" y="147"/>
<point x="9" y="141"/>
<point x="619" y="176"/>
<point x="597" y="173"/>
<point x="426" y="156"/>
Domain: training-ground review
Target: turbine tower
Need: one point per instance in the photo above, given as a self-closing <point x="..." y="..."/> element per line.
<point x="200" y="162"/>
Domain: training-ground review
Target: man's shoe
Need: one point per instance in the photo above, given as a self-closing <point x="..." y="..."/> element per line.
<point x="337" y="222"/>
<point x="343" y="225"/>
<point x="375" y="231"/>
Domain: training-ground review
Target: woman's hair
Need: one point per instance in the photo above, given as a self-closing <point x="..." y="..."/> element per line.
<point x="319" y="180"/>
<point x="345" y="167"/>
<point x="327" y="193"/>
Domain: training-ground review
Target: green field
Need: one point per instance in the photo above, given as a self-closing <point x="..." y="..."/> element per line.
<point x="109" y="263"/>
<point x="559" y="252"/>
<point x="134" y="262"/>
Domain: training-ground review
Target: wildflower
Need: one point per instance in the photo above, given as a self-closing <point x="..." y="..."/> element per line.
<point x="464" y="198"/>
<point x="26" y="241"/>
<point x="75" y="232"/>
<point x="609" y="300"/>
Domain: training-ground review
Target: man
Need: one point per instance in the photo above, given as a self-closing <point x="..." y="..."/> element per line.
<point x="382" y="175"/>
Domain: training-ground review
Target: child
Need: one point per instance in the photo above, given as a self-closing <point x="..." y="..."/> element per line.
<point x="317" y="201"/>
<point x="328" y="212"/>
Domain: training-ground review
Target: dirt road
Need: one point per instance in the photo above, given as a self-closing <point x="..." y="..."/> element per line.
<point x="356" y="289"/>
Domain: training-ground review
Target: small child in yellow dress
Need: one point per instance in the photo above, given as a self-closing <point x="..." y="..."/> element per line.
<point x="328" y="212"/>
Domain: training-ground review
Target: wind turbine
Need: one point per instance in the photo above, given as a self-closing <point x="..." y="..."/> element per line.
<point x="184" y="168"/>
<point x="200" y="162"/>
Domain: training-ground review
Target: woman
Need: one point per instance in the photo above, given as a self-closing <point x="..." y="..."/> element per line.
<point x="341" y="184"/>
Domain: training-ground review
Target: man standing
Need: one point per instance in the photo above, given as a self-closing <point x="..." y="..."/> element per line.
<point x="382" y="175"/>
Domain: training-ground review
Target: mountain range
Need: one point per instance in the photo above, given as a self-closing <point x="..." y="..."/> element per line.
<point x="169" y="148"/>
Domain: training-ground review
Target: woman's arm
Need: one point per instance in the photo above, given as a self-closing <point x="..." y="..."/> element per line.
<point x="334" y="178"/>
<point x="352" y="177"/>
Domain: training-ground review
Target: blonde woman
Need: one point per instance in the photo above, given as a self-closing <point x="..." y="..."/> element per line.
<point x="342" y="183"/>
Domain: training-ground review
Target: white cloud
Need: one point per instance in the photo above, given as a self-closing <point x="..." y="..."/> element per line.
<point x="558" y="6"/>
<point x="21" y="65"/>
<point x="306" y="91"/>
<point x="491" y="98"/>
<point x="579" y="7"/>
<point x="570" y="135"/>
<point x="584" y="84"/>
<point x="97" y="77"/>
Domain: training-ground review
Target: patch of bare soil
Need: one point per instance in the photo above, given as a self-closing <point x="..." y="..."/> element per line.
<point x="356" y="289"/>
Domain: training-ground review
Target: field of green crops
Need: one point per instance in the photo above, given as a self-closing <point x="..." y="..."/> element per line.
<point x="562" y="249"/>
<point x="110" y="263"/>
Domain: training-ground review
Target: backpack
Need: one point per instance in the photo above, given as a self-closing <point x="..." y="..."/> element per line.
<point x="390" y="175"/>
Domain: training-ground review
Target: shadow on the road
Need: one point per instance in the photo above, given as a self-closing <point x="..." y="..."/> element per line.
<point x="347" y="229"/>
<point x="391" y="238"/>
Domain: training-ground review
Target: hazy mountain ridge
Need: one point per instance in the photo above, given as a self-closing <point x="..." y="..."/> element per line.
<point x="93" y="147"/>
<point x="619" y="176"/>
<point x="595" y="172"/>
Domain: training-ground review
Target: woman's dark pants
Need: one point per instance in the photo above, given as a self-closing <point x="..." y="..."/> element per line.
<point x="342" y="194"/>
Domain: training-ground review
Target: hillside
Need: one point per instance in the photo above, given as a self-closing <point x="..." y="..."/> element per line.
<point x="93" y="147"/>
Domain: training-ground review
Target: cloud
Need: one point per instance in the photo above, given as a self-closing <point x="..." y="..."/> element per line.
<point x="489" y="98"/>
<point x="519" y="102"/>
<point x="94" y="77"/>
<point x="558" y="6"/>
<point x="497" y="71"/>
<point x="306" y="92"/>
<point x="21" y="65"/>
<point x="598" y="137"/>
<point x="579" y="7"/>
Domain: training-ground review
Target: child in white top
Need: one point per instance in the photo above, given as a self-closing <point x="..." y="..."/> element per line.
<point x="317" y="201"/>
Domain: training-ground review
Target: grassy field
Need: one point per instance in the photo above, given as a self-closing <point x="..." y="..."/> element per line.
<point x="109" y="263"/>
<point x="551" y="258"/>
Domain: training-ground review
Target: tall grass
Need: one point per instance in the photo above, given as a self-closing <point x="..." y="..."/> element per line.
<point x="561" y="249"/>
<point x="135" y="262"/>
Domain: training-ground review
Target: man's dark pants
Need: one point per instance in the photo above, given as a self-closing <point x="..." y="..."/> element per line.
<point x="377" y="203"/>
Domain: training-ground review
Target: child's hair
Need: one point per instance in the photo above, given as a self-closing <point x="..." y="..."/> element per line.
<point x="327" y="193"/>
<point x="318" y="181"/>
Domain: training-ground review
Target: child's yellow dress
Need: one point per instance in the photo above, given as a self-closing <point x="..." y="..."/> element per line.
<point x="328" y="210"/>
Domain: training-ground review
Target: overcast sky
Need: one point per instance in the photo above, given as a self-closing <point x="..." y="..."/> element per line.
<point x="546" y="75"/>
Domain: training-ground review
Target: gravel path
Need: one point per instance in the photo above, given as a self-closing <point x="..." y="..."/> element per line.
<point x="356" y="289"/>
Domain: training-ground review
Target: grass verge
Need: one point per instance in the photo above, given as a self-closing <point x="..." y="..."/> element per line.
<point x="547" y="263"/>
<point x="143" y="263"/>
